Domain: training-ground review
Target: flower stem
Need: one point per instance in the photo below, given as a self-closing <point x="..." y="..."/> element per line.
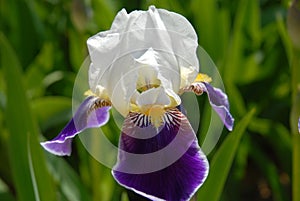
<point x="295" y="113"/>
<point x="293" y="28"/>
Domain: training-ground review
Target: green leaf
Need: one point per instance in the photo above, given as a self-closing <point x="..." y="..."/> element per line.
<point x="5" y="196"/>
<point x="124" y="197"/>
<point x="243" y="58"/>
<point x="103" y="10"/>
<point x="296" y="167"/>
<point x="295" y="113"/>
<point x="170" y="4"/>
<point x="23" y="33"/>
<point x="78" y="49"/>
<point x="70" y="183"/>
<point x="284" y="36"/>
<point x="269" y="171"/>
<point x="31" y="178"/>
<point x="222" y="161"/>
<point x="51" y="111"/>
<point x="4" y="192"/>
<point x="98" y="176"/>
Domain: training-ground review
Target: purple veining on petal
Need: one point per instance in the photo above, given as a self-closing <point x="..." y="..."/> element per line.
<point x="176" y="182"/>
<point x="88" y="115"/>
<point x="219" y="101"/>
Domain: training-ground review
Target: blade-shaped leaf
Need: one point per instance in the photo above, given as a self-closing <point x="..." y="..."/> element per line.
<point x="52" y="110"/>
<point x="222" y="161"/>
<point x="31" y="178"/>
<point x="70" y="183"/>
<point x="4" y="192"/>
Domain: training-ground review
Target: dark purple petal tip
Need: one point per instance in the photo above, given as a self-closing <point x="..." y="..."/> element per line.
<point x="91" y="113"/>
<point x="177" y="181"/>
<point x="219" y="102"/>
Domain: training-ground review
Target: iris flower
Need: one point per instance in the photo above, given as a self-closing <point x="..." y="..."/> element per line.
<point x="141" y="66"/>
<point x="299" y="125"/>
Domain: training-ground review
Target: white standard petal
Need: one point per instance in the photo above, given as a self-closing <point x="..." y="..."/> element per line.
<point x="121" y="88"/>
<point x="148" y="58"/>
<point x="147" y="70"/>
<point x="102" y="48"/>
<point x="166" y="32"/>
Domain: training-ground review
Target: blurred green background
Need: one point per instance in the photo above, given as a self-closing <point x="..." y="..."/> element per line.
<point x="43" y="44"/>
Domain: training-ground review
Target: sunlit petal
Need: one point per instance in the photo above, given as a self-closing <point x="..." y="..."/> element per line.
<point x="219" y="101"/>
<point x="188" y="75"/>
<point x="170" y="166"/>
<point x="93" y="112"/>
<point x="154" y="96"/>
<point x="139" y="72"/>
<point x="130" y="36"/>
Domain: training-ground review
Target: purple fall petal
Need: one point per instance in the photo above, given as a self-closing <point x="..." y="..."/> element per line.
<point x="176" y="181"/>
<point x="299" y="125"/>
<point x="89" y="114"/>
<point x="219" y="101"/>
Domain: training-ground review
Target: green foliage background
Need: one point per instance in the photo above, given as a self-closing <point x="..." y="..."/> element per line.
<point x="43" y="44"/>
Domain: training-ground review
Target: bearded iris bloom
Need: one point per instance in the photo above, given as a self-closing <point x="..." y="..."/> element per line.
<point x="141" y="66"/>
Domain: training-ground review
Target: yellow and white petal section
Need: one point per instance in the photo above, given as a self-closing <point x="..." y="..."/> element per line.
<point x="201" y="77"/>
<point x="147" y="67"/>
<point x="153" y="96"/>
<point x="138" y="72"/>
<point x="188" y="75"/>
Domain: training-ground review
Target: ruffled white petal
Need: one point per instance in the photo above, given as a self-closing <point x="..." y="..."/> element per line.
<point x="139" y="71"/>
<point x="114" y="53"/>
